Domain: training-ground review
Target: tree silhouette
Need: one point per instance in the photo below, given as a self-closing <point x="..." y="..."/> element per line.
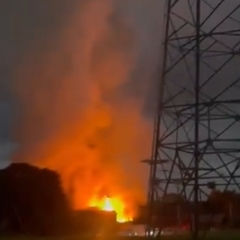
<point x="32" y="201"/>
<point x="226" y="202"/>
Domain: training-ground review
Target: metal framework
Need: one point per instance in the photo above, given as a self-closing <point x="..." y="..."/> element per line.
<point x="197" y="129"/>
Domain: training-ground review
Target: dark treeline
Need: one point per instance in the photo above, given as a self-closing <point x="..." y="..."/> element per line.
<point x="32" y="201"/>
<point x="220" y="210"/>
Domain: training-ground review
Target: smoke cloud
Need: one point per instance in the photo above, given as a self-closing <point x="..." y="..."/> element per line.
<point x="82" y="91"/>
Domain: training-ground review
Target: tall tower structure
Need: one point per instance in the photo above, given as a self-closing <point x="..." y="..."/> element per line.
<point x="196" y="144"/>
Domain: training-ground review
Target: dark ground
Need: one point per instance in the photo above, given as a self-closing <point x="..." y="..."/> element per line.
<point x="210" y="236"/>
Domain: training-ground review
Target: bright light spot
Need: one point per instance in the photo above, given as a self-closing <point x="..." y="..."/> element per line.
<point x="108" y="205"/>
<point x="111" y="205"/>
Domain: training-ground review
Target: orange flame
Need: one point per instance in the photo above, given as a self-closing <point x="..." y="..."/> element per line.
<point x="112" y="205"/>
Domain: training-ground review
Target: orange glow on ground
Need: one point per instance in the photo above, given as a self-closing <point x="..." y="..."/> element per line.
<point x="111" y="205"/>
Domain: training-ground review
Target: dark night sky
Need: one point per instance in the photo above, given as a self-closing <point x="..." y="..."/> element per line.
<point x="21" y="23"/>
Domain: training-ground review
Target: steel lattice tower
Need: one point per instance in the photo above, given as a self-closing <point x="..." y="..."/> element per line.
<point x="197" y="129"/>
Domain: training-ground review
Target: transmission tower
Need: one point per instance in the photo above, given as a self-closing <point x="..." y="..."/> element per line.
<point x="196" y="142"/>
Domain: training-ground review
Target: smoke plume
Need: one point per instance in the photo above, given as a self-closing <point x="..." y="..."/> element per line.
<point x="82" y="103"/>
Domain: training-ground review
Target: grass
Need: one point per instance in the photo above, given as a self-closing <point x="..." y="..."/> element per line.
<point x="224" y="235"/>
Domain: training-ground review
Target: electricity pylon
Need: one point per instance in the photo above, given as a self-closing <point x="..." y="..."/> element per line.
<point x="196" y="143"/>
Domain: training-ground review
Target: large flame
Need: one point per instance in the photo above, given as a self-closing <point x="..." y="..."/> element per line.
<point x="113" y="204"/>
<point x="81" y="110"/>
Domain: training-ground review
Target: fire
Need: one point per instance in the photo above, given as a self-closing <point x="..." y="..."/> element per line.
<point x="112" y="205"/>
<point x="108" y="205"/>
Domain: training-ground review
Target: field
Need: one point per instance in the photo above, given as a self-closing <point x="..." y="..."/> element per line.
<point x="210" y="236"/>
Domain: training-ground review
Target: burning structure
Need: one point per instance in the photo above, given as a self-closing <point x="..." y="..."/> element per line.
<point x="112" y="205"/>
<point x="94" y="221"/>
